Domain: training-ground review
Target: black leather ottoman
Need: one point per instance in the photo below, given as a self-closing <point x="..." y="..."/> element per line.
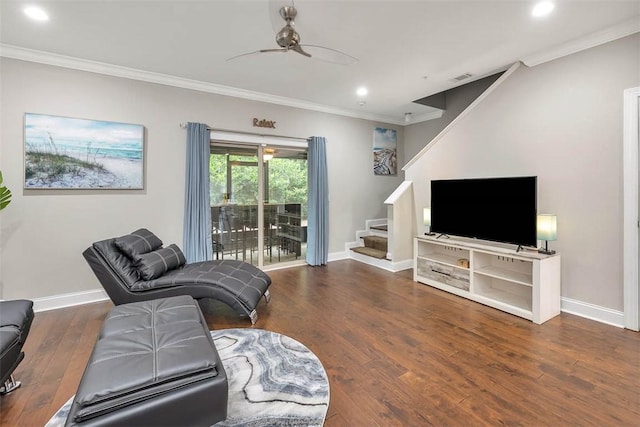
<point x="154" y="364"/>
<point x="15" y="321"/>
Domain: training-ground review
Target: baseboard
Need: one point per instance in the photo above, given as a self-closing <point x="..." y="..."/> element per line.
<point x="592" y="312"/>
<point x="68" y="300"/>
<point x="403" y="265"/>
<point x="568" y="305"/>
<point x="337" y="256"/>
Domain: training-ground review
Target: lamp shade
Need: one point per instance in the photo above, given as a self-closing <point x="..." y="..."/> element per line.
<point x="546" y="227"/>
<point x="426" y="216"/>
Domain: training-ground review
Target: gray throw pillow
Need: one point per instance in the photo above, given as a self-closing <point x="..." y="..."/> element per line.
<point x="154" y="264"/>
<point x="139" y="242"/>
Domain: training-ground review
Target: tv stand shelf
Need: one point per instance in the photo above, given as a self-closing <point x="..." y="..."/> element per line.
<point x="524" y="283"/>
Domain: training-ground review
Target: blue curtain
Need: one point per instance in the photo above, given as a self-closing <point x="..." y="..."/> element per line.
<point x="318" y="217"/>
<point x="197" y="205"/>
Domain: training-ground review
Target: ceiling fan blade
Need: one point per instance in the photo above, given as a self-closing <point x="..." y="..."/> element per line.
<point x="241" y="55"/>
<point x="255" y="53"/>
<point x="281" y="49"/>
<point x="299" y="50"/>
<point x="329" y="55"/>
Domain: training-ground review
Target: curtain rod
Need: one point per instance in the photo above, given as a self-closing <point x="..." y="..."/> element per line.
<point x="209" y="128"/>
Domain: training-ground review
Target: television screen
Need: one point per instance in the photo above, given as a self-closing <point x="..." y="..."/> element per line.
<point x="496" y="209"/>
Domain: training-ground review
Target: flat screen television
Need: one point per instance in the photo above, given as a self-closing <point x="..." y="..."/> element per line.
<point x="497" y="209"/>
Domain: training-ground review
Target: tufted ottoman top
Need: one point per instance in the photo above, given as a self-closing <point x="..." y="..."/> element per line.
<point x="146" y="349"/>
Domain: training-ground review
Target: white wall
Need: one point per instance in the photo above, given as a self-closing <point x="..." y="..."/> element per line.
<point x="43" y="232"/>
<point x="561" y="121"/>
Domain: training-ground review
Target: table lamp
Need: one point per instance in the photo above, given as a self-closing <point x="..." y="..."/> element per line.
<point x="546" y="230"/>
<point x="426" y="217"/>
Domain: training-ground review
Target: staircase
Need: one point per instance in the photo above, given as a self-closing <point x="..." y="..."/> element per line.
<point x="374" y="246"/>
<point x="371" y="246"/>
<point x="388" y="242"/>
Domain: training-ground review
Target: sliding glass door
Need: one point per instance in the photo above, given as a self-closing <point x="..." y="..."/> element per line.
<point x="233" y="175"/>
<point x="285" y="207"/>
<point x="258" y="202"/>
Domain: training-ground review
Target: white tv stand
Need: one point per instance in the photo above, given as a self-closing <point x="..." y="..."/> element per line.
<point x="524" y="283"/>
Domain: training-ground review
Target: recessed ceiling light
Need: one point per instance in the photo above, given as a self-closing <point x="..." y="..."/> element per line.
<point x="362" y="91"/>
<point x="36" y="13"/>
<point x="542" y="8"/>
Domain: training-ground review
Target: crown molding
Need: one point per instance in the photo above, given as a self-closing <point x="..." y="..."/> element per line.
<point x="31" y="55"/>
<point x="615" y="32"/>
<point x="623" y="29"/>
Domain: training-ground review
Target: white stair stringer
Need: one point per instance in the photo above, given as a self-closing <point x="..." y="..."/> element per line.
<point x="385" y="264"/>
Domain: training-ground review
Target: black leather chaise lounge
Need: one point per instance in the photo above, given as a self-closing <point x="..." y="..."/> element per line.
<point x="136" y="267"/>
<point x="15" y="321"/>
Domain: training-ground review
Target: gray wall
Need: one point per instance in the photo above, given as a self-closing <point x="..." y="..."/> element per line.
<point x="561" y="121"/>
<point x="43" y="232"/>
<point x="418" y="135"/>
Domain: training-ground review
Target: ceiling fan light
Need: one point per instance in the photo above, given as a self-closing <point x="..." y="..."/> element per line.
<point x="362" y="91"/>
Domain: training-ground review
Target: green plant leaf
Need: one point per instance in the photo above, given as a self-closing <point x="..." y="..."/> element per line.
<point x="5" y="195"/>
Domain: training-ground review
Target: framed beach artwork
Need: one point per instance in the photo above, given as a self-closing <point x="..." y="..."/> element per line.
<point x="384" y="152"/>
<point x="68" y="153"/>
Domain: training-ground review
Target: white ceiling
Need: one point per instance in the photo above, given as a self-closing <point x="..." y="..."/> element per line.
<point x="406" y="49"/>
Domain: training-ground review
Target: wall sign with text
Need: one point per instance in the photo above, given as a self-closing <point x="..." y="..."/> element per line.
<point x="264" y="123"/>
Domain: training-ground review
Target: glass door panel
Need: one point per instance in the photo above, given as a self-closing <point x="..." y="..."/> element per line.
<point x="285" y="208"/>
<point x="258" y="214"/>
<point x="234" y="207"/>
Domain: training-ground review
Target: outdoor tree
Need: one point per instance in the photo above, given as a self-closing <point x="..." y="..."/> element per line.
<point x="287" y="180"/>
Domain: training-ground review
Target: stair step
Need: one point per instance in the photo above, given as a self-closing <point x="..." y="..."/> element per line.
<point x="376" y="242"/>
<point x="382" y="227"/>
<point x="375" y="253"/>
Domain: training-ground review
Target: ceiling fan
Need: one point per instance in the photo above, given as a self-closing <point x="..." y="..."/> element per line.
<point x="289" y="40"/>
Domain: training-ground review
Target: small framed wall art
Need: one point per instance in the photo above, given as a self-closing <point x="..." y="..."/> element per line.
<point x="384" y="152"/>
<point x="68" y="153"/>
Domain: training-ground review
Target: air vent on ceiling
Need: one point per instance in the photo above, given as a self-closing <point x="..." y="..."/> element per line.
<point x="461" y="77"/>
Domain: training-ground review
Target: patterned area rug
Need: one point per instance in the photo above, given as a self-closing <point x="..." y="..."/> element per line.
<point x="273" y="381"/>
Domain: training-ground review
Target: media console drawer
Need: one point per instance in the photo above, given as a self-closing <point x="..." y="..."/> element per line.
<point x="452" y="276"/>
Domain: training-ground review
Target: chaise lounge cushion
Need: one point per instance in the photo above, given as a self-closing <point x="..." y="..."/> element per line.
<point x="244" y="280"/>
<point x="155" y="263"/>
<point x="139" y="242"/>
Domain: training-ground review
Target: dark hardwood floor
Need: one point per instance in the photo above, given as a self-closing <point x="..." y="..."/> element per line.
<point x="397" y="353"/>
